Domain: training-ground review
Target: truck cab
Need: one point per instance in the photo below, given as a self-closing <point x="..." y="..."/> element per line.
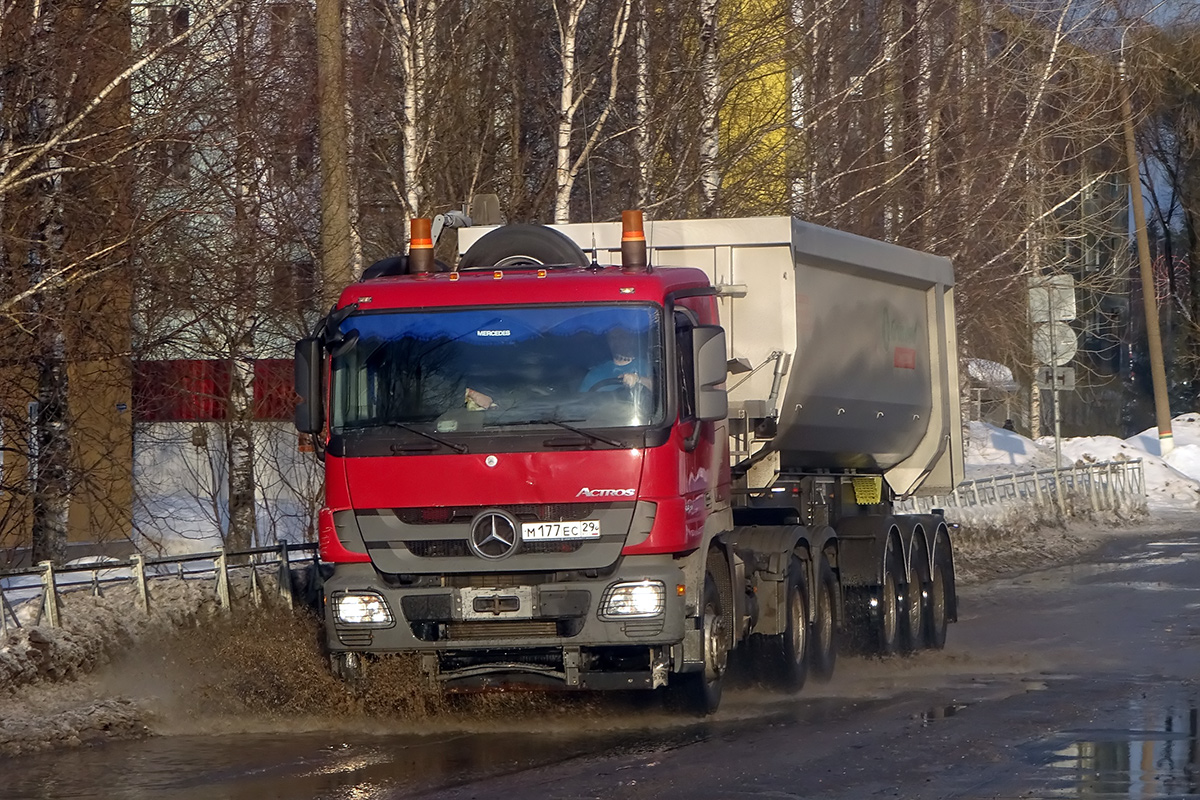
<point x="518" y="463"/>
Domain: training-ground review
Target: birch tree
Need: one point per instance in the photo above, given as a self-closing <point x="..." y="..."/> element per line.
<point x="576" y="86"/>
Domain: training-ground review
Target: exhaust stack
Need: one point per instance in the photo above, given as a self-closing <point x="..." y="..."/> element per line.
<point x="420" y="247"/>
<point x="633" y="243"/>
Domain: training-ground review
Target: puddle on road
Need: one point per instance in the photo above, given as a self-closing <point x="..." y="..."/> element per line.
<point x="1158" y="759"/>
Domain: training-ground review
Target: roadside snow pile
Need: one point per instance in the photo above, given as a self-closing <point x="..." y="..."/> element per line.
<point x="989" y="450"/>
<point x="1172" y="483"/>
<point x="1166" y="486"/>
<point x="1029" y="533"/>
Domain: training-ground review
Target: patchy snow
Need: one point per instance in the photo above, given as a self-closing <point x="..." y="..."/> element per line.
<point x="113" y="671"/>
<point x="988" y="450"/>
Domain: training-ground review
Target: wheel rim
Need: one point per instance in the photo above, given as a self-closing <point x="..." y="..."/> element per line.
<point x="890" y="625"/>
<point x="825" y="618"/>
<point x="937" y="593"/>
<point x="916" y="607"/>
<point x="799" y="624"/>
<point x="714" y="651"/>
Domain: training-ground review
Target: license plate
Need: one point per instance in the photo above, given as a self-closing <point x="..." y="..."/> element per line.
<point x="557" y="531"/>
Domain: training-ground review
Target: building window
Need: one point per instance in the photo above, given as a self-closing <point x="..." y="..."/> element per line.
<point x="172" y="157"/>
<point x="166" y="23"/>
<point x="189" y="390"/>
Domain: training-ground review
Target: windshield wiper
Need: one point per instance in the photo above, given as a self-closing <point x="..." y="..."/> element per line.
<point x="585" y="433"/>
<point x="459" y="448"/>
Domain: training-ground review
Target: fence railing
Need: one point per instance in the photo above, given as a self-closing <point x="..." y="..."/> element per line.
<point x="1108" y="485"/>
<point x="45" y="583"/>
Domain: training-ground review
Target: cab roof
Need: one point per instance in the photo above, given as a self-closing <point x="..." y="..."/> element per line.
<point x="519" y="286"/>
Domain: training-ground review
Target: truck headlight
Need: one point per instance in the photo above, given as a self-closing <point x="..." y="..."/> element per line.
<point x="633" y="599"/>
<point x="361" y="609"/>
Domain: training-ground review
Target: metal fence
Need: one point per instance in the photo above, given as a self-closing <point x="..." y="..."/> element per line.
<point x="45" y="583"/>
<point x="1105" y="486"/>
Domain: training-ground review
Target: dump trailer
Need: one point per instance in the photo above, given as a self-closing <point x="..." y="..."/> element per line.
<point x="608" y="456"/>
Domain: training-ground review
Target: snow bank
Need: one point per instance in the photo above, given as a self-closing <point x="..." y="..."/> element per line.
<point x="1172" y="483"/>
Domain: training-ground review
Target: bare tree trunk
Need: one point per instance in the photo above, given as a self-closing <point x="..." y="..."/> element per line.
<point x="243" y="527"/>
<point x="568" y="29"/>
<point x="353" y="174"/>
<point x="641" y="117"/>
<point x="710" y="91"/>
<point x="412" y="19"/>
<point x="336" y="255"/>
<point x="241" y="322"/>
<point x="50" y="463"/>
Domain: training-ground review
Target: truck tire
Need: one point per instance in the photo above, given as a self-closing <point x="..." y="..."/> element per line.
<point x="349" y="668"/>
<point x="890" y="607"/>
<point x="699" y="693"/>
<point x="522" y="245"/>
<point x="916" y="605"/>
<point x="823" y="644"/>
<point x="938" y="617"/>
<point x="786" y="664"/>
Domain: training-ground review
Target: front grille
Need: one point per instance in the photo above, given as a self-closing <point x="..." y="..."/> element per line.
<point x="457" y="548"/>
<point x="526" y="629"/>
<point x="544" y="512"/>
<point x="461" y="659"/>
<point x="470" y="580"/>
<point x="439" y="548"/>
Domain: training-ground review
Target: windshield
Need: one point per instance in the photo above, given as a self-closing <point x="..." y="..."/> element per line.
<point x="463" y="370"/>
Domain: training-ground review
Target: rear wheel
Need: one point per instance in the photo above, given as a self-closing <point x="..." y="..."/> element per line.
<point x="823" y="645"/>
<point x="916" y="597"/>
<point x="787" y="654"/>
<point x="938" y="616"/>
<point x="888" y="625"/>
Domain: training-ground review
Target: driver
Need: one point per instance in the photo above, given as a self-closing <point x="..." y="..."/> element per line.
<point x="624" y="369"/>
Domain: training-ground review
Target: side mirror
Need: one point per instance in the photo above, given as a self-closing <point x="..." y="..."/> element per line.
<point x="310" y="412"/>
<point x="710" y="362"/>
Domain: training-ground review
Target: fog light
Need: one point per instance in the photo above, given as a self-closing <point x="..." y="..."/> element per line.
<point x="633" y="599"/>
<point x="361" y="609"/>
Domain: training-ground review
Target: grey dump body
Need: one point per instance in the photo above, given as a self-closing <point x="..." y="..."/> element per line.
<point x="861" y="330"/>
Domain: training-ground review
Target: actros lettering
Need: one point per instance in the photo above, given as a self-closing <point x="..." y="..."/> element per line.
<point x="586" y="492"/>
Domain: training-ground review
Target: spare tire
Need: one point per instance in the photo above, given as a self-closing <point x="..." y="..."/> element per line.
<point x="523" y="245"/>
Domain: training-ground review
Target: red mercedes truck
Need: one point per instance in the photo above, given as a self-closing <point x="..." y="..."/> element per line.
<point x="606" y="456"/>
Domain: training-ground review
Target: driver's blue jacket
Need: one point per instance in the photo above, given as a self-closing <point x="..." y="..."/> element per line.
<point x="610" y="369"/>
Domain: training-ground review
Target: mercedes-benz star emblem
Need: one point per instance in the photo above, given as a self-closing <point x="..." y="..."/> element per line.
<point x="493" y="535"/>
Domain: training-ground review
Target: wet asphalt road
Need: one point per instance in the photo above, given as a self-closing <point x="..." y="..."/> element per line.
<point x="1080" y="681"/>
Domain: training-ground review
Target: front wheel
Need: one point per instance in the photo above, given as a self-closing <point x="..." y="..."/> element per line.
<point x="349" y="668"/>
<point x="700" y="692"/>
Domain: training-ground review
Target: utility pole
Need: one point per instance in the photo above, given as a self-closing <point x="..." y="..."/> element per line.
<point x="335" y="180"/>
<point x="1158" y="372"/>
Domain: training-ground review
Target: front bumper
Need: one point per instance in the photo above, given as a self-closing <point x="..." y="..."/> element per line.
<point x="503" y="630"/>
